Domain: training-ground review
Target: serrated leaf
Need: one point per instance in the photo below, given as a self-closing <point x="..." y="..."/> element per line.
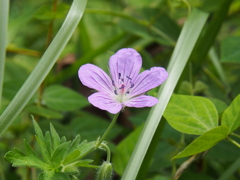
<point x="230" y="49"/>
<point x="37" y="129"/>
<point x="72" y="157"/>
<point x="74" y="144"/>
<point x="44" y="112"/>
<point x="86" y="148"/>
<point x="231" y="116"/>
<point x="204" y="142"/>
<point x="17" y="158"/>
<point x="83" y="163"/>
<point x="48" y="142"/>
<point x="63" y="140"/>
<point x="45" y="153"/>
<point x="29" y="150"/>
<point x="59" y="154"/>
<point x="55" y="137"/>
<point x="51" y="175"/>
<point x="191" y="114"/>
<point x="63" y="99"/>
<point x="40" y="139"/>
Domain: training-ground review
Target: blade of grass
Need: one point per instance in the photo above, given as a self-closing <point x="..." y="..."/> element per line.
<point x="4" y="8"/>
<point x="210" y="32"/>
<point x="185" y="44"/>
<point x="44" y="66"/>
<point x="216" y="62"/>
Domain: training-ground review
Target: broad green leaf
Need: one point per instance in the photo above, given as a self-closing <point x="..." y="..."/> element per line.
<point x="17" y="158"/>
<point x="231" y="116"/>
<point x="59" y="154"/>
<point x="44" y="112"/>
<point x="55" y="138"/>
<point x="63" y="99"/>
<point x="124" y="150"/>
<point x="191" y="114"/>
<point x="204" y="142"/>
<point x="230" y="49"/>
<point x="220" y="105"/>
<point x="51" y="175"/>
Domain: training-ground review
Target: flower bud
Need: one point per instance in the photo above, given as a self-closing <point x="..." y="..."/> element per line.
<point x="105" y="171"/>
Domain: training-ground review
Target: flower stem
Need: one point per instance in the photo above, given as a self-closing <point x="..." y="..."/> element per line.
<point x="105" y="147"/>
<point x="98" y="143"/>
<point x="236" y="135"/>
<point x="234" y="142"/>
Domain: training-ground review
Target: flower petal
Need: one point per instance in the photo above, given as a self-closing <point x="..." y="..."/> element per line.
<point x="126" y="62"/>
<point x="148" y="79"/>
<point x="95" y="78"/>
<point x="141" y="101"/>
<point x="104" y="102"/>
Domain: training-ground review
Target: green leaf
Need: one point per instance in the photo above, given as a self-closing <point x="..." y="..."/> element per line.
<point x="17" y="158"/>
<point x="59" y="154"/>
<point x="231" y="116"/>
<point x="86" y="147"/>
<point x="204" y="142"/>
<point x="230" y="49"/>
<point x="72" y="157"/>
<point x="29" y="150"/>
<point x="124" y="150"/>
<point x="44" y="112"/>
<point x="48" y="142"/>
<point x="63" y="99"/>
<point x="220" y="105"/>
<point x="55" y="137"/>
<point x="41" y="142"/>
<point x="191" y="114"/>
<point x="51" y="175"/>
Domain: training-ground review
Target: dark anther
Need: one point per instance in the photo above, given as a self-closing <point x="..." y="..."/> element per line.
<point x="122" y="87"/>
<point x="122" y="80"/>
<point x="129" y="77"/>
<point x="119" y="75"/>
<point x="127" y="92"/>
<point x="115" y="91"/>
<point x="113" y="83"/>
<point x="132" y="85"/>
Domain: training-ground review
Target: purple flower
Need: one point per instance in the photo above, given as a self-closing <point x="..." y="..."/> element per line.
<point x="125" y="86"/>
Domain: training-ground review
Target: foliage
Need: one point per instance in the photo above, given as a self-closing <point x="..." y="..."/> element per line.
<point x="192" y="133"/>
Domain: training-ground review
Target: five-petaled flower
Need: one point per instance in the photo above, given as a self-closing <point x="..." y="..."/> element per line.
<point x="125" y="86"/>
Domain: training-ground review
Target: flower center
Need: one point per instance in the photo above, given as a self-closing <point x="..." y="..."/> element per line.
<point x="122" y="88"/>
